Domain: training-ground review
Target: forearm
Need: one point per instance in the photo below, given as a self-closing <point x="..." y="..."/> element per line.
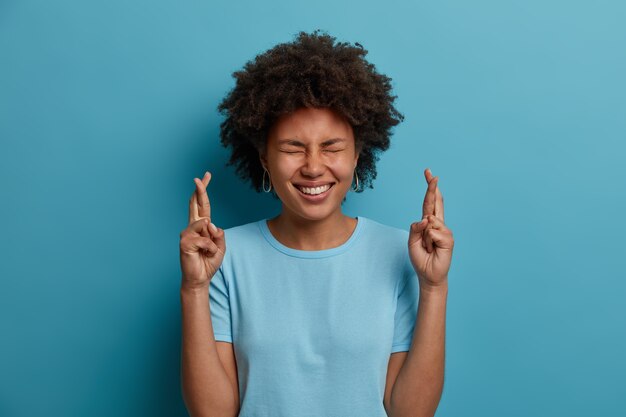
<point x="419" y="385"/>
<point x="207" y="390"/>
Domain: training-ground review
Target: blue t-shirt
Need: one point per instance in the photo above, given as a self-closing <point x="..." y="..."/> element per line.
<point x="313" y="330"/>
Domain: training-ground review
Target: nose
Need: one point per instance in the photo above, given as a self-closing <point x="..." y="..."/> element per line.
<point x="313" y="165"/>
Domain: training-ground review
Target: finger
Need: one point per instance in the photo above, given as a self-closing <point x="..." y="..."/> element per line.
<point x="428" y="239"/>
<point x="207" y="178"/>
<point x="434" y="223"/>
<point x="193" y="208"/>
<point x="439" y="228"/>
<point x="217" y="235"/>
<point x="417" y="228"/>
<point x="428" y="174"/>
<point x="205" y="243"/>
<point x="199" y="227"/>
<point x="204" y="207"/>
<point x="429" y="199"/>
<point x="439" y="204"/>
<point x="438" y="239"/>
<point x="193" y="213"/>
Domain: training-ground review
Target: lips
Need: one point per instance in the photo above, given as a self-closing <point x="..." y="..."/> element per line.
<point x="314" y="190"/>
<point x="320" y="192"/>
<point x="312" y="184"/>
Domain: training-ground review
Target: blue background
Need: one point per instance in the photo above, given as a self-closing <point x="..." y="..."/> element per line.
<point x="108" y="111"/>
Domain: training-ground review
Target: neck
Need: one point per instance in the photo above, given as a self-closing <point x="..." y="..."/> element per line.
<point x="304" y="234"/>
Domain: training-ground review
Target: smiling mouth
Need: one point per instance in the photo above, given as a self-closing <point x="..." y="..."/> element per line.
<point x="314" y="190"/>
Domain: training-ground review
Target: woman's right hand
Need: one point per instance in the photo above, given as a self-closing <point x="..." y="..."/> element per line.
<point x="202" y="244"/>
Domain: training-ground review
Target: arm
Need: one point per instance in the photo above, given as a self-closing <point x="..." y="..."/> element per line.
<point x="207" y="388"/>
<point x="419" y="385"/>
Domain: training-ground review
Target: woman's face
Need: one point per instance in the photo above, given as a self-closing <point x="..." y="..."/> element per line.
<point x="311" y="157"/>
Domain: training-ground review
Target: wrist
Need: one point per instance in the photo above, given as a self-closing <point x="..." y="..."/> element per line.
<point x="435" y="289"/>
<point x="186" y="289"/>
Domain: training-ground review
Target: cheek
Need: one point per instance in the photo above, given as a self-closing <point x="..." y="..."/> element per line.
<point x="343" y="170"/>
<point x="284" y="167"/>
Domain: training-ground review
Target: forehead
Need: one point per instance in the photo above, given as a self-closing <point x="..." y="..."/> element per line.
<point x="311" y="124"/>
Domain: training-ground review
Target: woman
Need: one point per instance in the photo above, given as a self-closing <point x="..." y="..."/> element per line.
<point x="312" y="312"/>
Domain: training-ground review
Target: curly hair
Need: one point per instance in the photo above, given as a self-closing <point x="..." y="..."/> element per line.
<point x="311" y="71"/>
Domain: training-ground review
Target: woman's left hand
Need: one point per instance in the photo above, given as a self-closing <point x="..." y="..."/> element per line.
<point x="430" y="241"/>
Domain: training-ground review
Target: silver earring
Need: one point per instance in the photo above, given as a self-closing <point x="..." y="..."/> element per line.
<point x="265" y="171"/>
<point x="357" y="181"/>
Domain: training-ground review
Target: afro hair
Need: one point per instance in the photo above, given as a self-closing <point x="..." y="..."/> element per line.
<point x="311" y="71"/>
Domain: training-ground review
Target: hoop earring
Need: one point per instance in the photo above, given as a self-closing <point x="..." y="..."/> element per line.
<point x="357" y="181"/>
<point x="265" y="171"/>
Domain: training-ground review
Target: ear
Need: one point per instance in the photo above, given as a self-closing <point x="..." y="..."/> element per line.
<point x="356" y="156"/>
<point x="262" y="149"/>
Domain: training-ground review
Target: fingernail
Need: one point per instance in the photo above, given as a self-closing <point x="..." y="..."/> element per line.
<point x="213" y="228"/>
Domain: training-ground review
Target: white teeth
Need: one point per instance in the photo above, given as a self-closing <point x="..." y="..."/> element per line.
<point x="314" y="191"/>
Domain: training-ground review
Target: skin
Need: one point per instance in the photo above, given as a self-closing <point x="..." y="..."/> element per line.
<point x="430" y="240"/>
<point x="414" y="378"/>
<point x="297" y="150"/>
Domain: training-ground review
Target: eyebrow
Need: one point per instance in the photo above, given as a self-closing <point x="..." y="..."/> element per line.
<point x="295" y="142"/>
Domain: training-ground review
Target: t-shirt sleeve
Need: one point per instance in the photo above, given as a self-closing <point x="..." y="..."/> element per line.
<point x="406" y="309"/>
<point x="219" y="304"/>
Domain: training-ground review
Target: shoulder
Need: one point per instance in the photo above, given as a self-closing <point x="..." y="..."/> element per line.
<point x="243" y="232"/>
<point x="384" y="232"/>
<point x="389" y="245"/>
<point x="240" y="240"/>
<point x="385" y="240"/>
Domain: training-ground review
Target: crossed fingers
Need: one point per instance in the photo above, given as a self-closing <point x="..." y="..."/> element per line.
<point x="199" y="205"/>
<point x="432" y="209"/>
<point x="433" y="200"/>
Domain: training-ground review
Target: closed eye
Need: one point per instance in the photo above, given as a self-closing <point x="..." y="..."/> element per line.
<point x="325" y="150"/>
